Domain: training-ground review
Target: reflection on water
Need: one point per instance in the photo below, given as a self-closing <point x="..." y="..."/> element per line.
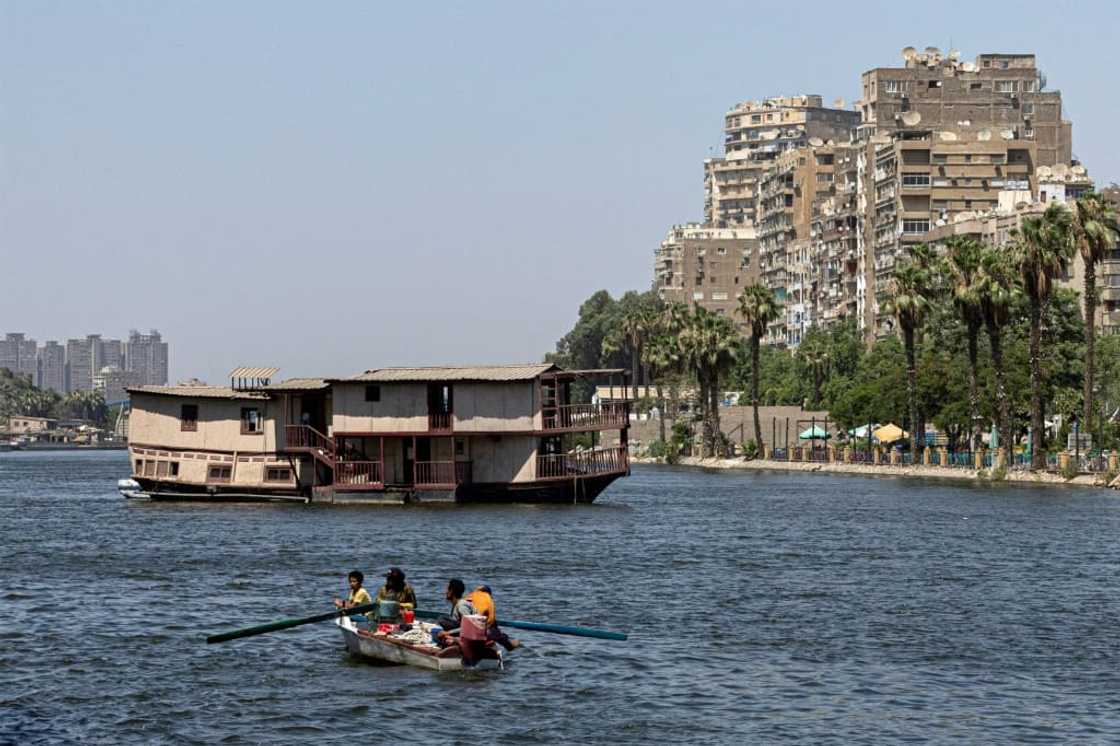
<point x="813" y="607"/>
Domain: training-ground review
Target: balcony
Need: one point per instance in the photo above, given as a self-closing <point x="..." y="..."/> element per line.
<point x="358" y="475"/>
<point x="583" y="463"/>
<point x="439" y="422"/>
<point x="443" y="475"/>
<point x="578" y="417"/>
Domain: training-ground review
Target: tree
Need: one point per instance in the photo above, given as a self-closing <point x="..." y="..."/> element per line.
<point x="909" y="303"/>
<point x="1041" y="251"/>
<point x="997" y="291"/>
<point x="963" y="265"/>
<point x="709" y="345"/>
<point x="758" y="307"/>
<point x="661" y="355"/>
<point x="1095" y="231"/>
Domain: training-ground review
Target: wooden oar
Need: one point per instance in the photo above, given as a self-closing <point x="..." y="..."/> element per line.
<point x="289" y="623"/>
<point x="558" y="629"/>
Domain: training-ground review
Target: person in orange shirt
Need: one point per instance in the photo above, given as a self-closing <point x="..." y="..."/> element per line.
<point x="481" y="600"/>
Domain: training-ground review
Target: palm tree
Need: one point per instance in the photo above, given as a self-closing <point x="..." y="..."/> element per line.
<point x="661" y="356"/>
<point x="1041" y="251"/>
<point x="997" y="290"/>
<point x="631" y="333"/>
<point x="1095" y="231"/>
<point x="758" y="307"/>
<point x="709" y="344"/>
<point x="909" y="303"/>
<point x="963" y="264"/>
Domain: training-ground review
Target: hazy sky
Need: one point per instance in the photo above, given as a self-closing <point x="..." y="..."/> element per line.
<point x="334" y="187"/>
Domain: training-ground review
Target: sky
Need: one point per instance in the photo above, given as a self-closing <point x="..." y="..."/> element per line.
<point x="329" y="188"/>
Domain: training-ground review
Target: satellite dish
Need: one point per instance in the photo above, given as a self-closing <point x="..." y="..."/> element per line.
<point x="1079" y="170"/>
<point x="948" y="136"/>
<point x="933" y="51"/>
<point x="1043" y="172"/>
<point x="830" y="142"/>
<point x="838" y="103"/>
<point x="909" y="53"/>
<point x="969" y="67"/>
<point x="1061" y="170"/>
<point x="1007" y="134"/>
<point x="816" y="142"/>
<point x="954" y="54"/>
<point x="911" y="118"/>
<point x="984" y="135"/>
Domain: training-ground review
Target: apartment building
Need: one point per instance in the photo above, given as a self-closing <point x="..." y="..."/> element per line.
<point x="18" y="354"/>
<point x="1005" y="93"/>
<point x="755" y="133"/>
<point x="706" y="266"/>
<point x="52" y="367"/>
<point x="145" y="355"/>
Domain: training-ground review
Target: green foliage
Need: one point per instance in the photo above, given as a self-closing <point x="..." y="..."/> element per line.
<point x="1069" y="471"/>
<point x="19" y="396"/>
<point x="750" y="450"/>
<point x="658" y="449"/>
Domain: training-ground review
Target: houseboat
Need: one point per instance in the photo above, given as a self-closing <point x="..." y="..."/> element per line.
<point x="462" y="434"/>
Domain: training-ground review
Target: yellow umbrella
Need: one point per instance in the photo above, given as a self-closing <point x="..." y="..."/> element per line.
<point x="890" y="432"/>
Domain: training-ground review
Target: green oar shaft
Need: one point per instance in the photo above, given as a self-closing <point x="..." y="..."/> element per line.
<point x="288" y="623"/>
<point x="558" y="629"/>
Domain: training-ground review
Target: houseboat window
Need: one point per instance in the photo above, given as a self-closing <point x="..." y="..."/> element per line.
<point x="250" y="420"/>
<point x="149" y="468"/>
<point x="161" y="468"/>
<point x="173" y="469"/>
<point x="188" y="418"/>
<point x="373" y="393"/>
<point x="139" y="466"/>
<point x="278" y="474"/>
<point x="460" y="447"/>
<point x="220" y="474"/>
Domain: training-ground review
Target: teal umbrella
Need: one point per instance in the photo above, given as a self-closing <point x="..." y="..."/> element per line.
<point x="813" y="433"/>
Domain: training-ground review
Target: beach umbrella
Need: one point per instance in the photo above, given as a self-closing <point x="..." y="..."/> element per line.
<point x="889" y="433"/>
<point x="858" y="432"/>
<point x="813" y="433"/>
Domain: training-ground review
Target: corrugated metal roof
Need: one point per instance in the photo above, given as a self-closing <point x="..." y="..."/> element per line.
<point x="298" y="384"/>
<point x="497" y="373"/>
<point x="197" y="392"/>
<point x="253" y="372"/>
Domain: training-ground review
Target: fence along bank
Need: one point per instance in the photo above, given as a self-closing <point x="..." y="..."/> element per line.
<point x="494" y="433"/>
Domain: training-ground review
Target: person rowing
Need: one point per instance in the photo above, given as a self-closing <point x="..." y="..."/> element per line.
<point x="460" y="607"/>
<point x="358" y="594"/>
<point x="481" y="600"/>
<point x="395" y="589"/>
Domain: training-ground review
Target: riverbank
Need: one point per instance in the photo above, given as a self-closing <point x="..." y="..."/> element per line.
<point x="868" y="470"/>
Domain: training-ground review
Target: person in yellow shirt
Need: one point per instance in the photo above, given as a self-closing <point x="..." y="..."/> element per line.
<point x="481" y="600"/>
<point x="358" y="595"/>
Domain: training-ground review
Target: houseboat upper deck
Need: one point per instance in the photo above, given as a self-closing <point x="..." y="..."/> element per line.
<point x="490" y="433"/>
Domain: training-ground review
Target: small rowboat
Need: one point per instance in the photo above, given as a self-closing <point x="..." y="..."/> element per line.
<point x="407" y="648"/>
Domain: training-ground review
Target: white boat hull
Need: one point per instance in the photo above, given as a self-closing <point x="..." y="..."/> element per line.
<point x="388" y="650"/>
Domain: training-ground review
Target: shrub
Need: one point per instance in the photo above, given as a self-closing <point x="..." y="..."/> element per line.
<point x="658" y="449"/>
<point x="1070" y="470"/>
<point x="750" y="450"/>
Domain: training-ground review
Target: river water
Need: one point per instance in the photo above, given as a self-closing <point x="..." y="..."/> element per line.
<point x="761" y="607"/>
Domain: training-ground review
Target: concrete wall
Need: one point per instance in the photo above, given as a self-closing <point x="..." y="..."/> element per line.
<point x="155" y="420"/>
<point x="738" y="424"/>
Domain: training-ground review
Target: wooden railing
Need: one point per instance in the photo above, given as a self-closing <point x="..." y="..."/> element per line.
<point x="309" y="440"/>
<point x="575" y="416"/>
<point x="439" y="422"/>
<point x="441" y="473"/>
<point x="582" y="463"/>
<point x="358" y="474"/>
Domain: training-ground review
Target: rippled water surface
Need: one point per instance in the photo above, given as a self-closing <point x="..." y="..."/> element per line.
<point x="761" y="607"/>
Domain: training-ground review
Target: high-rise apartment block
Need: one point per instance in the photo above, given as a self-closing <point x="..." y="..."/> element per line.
<point x="701" y="265"/>
<point x="835" y="198"/>
<point x="146" y="356"/>
<point x="18" y="354"/>
<point x="52" y="367"/>
<point x="80" y="357"/>
<point x="755" y="133"/>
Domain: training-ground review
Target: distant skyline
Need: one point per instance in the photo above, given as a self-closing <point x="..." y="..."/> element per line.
<point x="333" y="188"/>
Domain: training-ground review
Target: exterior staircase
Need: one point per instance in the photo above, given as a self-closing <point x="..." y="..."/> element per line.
<point x="306" y="439"/>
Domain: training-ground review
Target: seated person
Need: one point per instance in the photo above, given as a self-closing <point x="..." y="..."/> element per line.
<point x="358" y="595"/>
<point x="459" y="607"/>
<point x="481" y="600"/>
<point x="395" y="589"/>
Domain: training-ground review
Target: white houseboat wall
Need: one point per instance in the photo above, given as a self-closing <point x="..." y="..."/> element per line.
<point x="491" y="434"/>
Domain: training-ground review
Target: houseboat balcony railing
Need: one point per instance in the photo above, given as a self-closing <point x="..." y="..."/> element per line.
<point x="439" y="422"/>
<point x="445" y="474"/>
<point x="589" y="416"/>
<point x="358" y="475"/>
<point x="583" y="463"/>
<point x="309" y="440"/>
